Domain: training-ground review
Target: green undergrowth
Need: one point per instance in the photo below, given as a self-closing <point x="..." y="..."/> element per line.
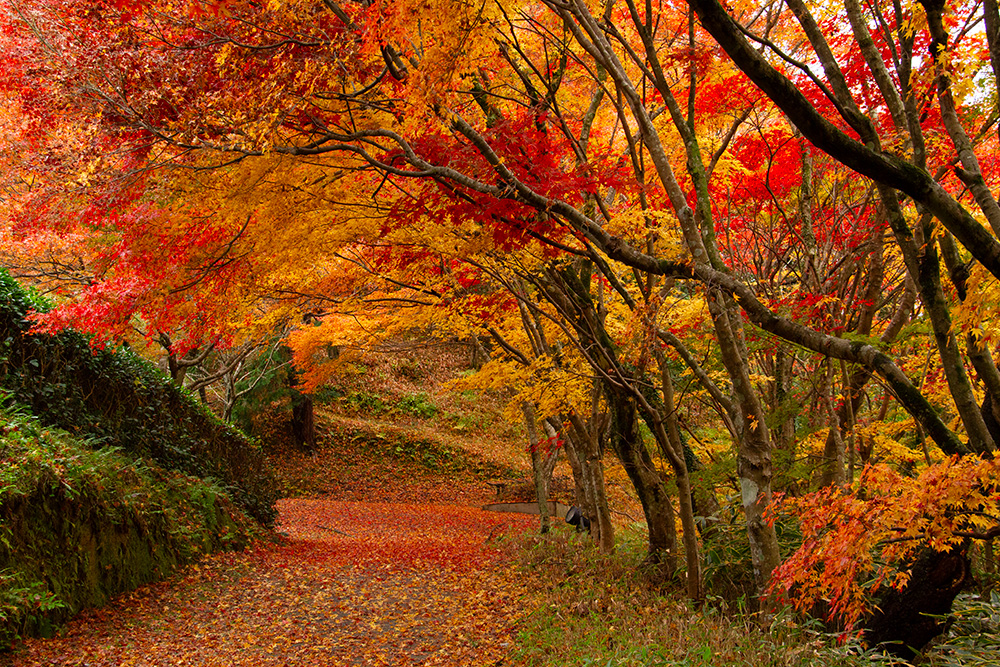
<point x="79" y="524"/>
<point x="116" y="399"/>
<point x="417" y="405"/>
<point x="610" y="610"/>
<point x="973" y="638"/>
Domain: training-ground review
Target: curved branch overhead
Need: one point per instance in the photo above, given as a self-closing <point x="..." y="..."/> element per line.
<point x="879" y="166"/>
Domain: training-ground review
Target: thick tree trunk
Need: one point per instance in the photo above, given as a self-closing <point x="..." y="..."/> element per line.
<point x="648" y="482"/>
<point x="905" y="621"/>
<point x="979" y="353"/>
<point x="566" y="290"/>
<point x="754" y="447"/>
<point x="754" y="458"/>
<point x="480" y="355"/>
<point x="937" y="308"/>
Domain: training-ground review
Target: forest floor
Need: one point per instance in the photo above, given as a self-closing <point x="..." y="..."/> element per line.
<point x="380" y="556"/>
<point x="423" y="579"/>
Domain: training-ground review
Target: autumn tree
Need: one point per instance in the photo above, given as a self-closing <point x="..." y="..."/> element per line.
<point x="616" y="137"/>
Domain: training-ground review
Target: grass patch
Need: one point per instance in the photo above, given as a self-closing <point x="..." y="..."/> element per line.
<point x="404" y="383"/>
<point x="974" y="638"/>
<point x="610" y="610"/>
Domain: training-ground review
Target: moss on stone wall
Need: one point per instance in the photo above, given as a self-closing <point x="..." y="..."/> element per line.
<point x="110" y="475"/>
<point x="79" y="525"/>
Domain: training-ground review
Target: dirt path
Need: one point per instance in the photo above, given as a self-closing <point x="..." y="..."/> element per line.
<point x="352" y="584"/>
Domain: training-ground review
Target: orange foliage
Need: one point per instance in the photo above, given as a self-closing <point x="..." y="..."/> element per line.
<point x="854" y="542"/>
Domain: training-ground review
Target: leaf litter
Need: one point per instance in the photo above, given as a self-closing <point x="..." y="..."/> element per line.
<point x="348" y="583"/>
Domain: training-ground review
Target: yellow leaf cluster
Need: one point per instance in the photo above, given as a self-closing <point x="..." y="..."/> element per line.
<point x="552" y="389"/>
<point x="980" y="311"/>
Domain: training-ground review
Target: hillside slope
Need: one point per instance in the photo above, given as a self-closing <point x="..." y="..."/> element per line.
<point x="110" y="477"/>
<point x="114" y="398"/>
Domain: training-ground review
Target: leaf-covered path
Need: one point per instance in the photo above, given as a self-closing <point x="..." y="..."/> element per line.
<point x="351" y="584"/>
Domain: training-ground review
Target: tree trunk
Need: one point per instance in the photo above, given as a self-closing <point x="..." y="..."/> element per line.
<point x="592" y="462"/>
<point x="833" y="468"/>
<point x="648" y="482"/>
<point x="537" y="466"/>
<point x="754" y="446"/>
<point x="303" y="422"/>
<point x="670" y="437"/>
<point x="706" y="504"/>
<point x="937" y="308"/>
<point x="573" y="458"/>
<point x="784" y="402"/>
<point x="905" y="621"/>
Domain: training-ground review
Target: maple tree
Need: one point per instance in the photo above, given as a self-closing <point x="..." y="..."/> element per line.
<point x="759" y="224"/>
<point x="891" y="131"/>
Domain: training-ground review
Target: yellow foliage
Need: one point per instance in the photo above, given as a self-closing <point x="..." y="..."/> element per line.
<point x="683" y="313"/>
<point x="553" y="390"/>
<point x="632" y="222"/>
<point x="884" y="440"/>
<point x="980" y="311"/>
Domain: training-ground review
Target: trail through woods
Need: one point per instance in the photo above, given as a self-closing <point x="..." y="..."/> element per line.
<point x="351" y="583"/>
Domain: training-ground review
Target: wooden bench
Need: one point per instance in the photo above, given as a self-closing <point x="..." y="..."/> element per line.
<point x="499" y="484"/>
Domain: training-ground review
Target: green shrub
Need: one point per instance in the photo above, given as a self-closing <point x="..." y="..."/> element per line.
<point x="417" y="405"/>
<point x="431" y="454"/>
<point x="365" y="402"/>
<point x="268" y="383"/>
<point x="24" y="606"/>
<point x="465" y="423"/>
